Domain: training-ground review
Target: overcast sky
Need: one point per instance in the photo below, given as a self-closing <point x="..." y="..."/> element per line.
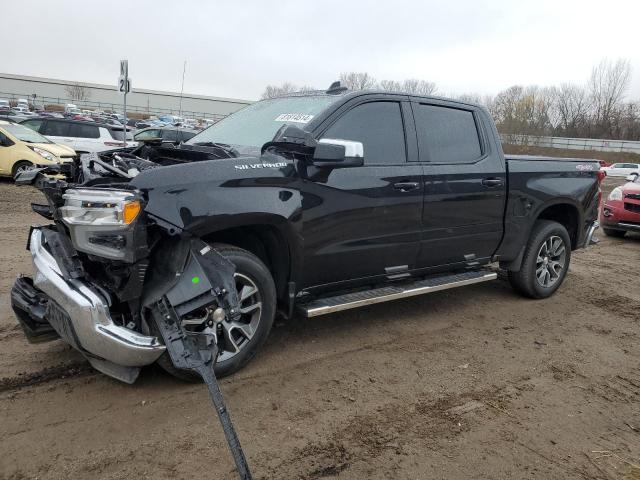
<point x="236" y="48"/>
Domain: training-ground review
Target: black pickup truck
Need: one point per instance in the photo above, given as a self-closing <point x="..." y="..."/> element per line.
<point x="310" y="203"/>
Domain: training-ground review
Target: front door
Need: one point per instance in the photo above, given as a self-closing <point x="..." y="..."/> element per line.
<point x="364" y="222"/>
<point x="465" y="185"/>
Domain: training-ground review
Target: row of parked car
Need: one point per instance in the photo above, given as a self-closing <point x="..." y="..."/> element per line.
<point x="45" y="140"/>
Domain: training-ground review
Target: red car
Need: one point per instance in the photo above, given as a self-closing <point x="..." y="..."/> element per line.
<point x="621" y="210"/>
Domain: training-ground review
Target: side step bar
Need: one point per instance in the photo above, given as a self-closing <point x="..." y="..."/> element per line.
<point x="323" y="306"/>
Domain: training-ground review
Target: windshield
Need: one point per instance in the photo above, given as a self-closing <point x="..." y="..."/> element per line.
<point x="25" y="134"/>
<point x="255" y="125"/>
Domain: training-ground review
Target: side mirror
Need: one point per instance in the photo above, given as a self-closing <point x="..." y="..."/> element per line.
<point x="335" y="153"/>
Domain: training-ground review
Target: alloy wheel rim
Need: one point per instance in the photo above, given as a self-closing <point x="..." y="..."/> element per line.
<point x="551" y="261"/>
<point x="22" y="168"/>
<point x="238" y="333"/>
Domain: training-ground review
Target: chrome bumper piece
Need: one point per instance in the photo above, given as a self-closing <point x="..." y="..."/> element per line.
<point x="592" y="229"/>
<point x="97" y="336"/>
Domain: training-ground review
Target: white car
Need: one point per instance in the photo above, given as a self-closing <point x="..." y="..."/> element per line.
<point x="622" y="170"/>
<point x="5" y="104"/>
<point x="83" y="137"/>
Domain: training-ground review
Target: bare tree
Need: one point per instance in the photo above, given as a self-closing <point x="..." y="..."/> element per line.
<point x="571" y="107"/>
<point x="390" y="85"/>
<point x="77" y="92"/>
<point x="274" y="91"/>
<point x="607" y="87"/>
<point x="418" y="87"/>
<point x="412" y="85"/>
<point x="357" y="80"/>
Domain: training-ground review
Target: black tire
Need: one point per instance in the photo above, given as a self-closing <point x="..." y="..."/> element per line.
<point x="18" y="166"/>
<point x="609" y="232"/>
<point x="252" y="267"/>
<point x="526" y="281"/>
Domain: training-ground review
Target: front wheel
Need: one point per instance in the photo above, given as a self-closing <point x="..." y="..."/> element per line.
<point x="244" y="336"/>
<point x="545" y="262"/>
<point x="19" y="167"/>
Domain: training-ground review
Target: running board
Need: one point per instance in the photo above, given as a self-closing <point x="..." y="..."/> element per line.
<point x="323" y="306"/>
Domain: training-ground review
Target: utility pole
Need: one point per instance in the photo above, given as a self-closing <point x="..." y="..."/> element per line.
<point x="184" y="69"/>
<point x="124" y="85"/>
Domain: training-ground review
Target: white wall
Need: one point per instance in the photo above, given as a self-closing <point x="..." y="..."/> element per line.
<point x="107" y="97"/>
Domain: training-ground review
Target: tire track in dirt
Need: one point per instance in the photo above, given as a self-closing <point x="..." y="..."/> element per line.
<point x="48" y="374"/>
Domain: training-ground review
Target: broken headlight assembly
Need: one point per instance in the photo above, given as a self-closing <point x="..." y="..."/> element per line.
<point x="101" y="222"/>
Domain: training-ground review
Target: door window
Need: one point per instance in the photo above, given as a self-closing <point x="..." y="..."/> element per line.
<point x="170" y="136"/>
<point x="148" y="134"/>
<point x="447" y="135"/>
<point x="33" y="124"/>
<point x="378" y="125"/>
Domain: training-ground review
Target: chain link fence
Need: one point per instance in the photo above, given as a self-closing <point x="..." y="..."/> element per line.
<point x="58" y="103"/>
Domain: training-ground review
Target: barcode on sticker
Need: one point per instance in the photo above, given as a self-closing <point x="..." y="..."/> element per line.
<point x="294" y="117"/>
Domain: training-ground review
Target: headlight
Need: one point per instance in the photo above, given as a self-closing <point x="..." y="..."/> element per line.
<point x="100" y="222"/>
<point x="616" y="194"/>
<point x="99" y="207"/>
<point x="44" y="154"/>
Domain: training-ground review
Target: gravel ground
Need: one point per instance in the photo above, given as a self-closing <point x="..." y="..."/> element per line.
<point x="475" y="383"/>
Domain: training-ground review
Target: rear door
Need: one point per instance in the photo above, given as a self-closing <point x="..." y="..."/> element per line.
<point x="365" y="222"/>
<point x="465" y="184"/>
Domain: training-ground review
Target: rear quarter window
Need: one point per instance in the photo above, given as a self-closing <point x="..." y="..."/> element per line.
<point x="116" y="134"/>
<point x="84" y="131"/>
<point x="56" y="129"/>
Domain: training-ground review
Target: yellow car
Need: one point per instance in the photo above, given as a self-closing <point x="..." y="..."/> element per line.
<point x="21" y="148"/>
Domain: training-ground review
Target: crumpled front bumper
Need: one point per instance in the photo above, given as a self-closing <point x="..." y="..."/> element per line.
<point x="80" y="315"/>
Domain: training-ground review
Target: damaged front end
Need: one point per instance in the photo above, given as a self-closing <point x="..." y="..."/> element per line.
<point x="106" y="273"/>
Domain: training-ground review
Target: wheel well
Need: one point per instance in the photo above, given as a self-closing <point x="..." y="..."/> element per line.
<point x="566" y="215"/>
<point x="17" y="164"/>
<point x="266" y="243"/>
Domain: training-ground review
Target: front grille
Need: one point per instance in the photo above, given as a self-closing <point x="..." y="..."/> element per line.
<point x="634" y="196"/>
<point x="632" y="207"/>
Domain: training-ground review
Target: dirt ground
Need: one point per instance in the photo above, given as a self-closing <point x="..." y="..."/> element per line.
<point x="475" y="383"/>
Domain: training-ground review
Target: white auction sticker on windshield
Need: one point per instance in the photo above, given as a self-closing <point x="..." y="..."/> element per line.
<point x="294" y="117"/>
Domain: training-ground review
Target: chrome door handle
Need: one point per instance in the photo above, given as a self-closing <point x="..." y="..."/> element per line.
<point x="406" y="186"/>
<point x="492" y="182"/>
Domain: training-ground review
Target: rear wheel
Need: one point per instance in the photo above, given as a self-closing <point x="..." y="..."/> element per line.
<point x="609" y="232"/>
<point x="19" y="167"/>
<point x="545" y="262"/>
<point x="242" y="337"/>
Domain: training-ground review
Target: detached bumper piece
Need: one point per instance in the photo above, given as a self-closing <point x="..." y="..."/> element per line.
<point x="78" y="313"/>
<point x="207" y="280"/>
<point x="199" y="353"/>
